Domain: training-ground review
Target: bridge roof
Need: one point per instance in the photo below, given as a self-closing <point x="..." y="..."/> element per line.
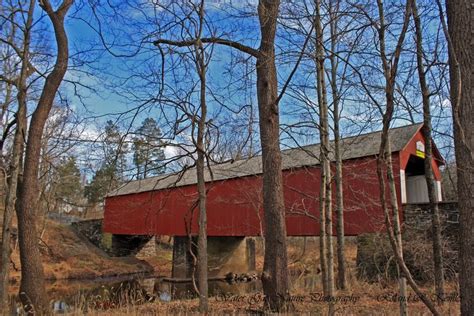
<point x="353" y="147"/>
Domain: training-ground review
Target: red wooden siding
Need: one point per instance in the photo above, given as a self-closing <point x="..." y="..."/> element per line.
<point x="410" y="149"/>
<point x="233" y="204"/>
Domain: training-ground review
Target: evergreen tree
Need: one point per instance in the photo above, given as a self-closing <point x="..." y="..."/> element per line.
<point x="148" y="154"/>
<point x="115" y="151"/>
<point x="68" y="187"/>
<point x="104" y="180"/>
<point x="114" y="166"/>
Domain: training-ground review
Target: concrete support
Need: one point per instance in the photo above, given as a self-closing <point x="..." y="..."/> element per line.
<point x="251" y="254"/>
<point x="226" y="254"/>
<point x="182" y="258"/>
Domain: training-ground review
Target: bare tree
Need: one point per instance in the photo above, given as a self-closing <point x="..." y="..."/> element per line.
<point x="15" y="168"/>
<point x="384" y="161"/>
<point x="338" y="178"/>
<point x="275" y="274"/>
<point x="430" y="181"/>
<point x="200" y="165"/>
<point x="461" y="58"/>
<point x="275" y="270"/>
<point x="335" y="48"/>
<point x="32" y="288"/>
<point x="325" y="196"/>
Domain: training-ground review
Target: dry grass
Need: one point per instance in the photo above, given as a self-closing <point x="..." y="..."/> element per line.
<point x="366" y="306"/>
<point x="368" y="298"/>
<point x="67" y="256"/>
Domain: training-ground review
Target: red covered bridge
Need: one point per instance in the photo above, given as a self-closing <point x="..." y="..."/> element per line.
<point x="165" y="205"/>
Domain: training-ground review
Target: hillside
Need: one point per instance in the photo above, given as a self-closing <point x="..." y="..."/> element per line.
<point x="69" y="256"/>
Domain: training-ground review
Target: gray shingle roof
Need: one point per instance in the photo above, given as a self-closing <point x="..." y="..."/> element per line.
<point x="352" y="147"/>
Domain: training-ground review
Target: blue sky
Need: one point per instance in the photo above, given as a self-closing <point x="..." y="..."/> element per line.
<point x="113" y="94"/>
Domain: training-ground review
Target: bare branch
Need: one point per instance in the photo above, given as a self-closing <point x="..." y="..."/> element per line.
<point x="212" y="40"/>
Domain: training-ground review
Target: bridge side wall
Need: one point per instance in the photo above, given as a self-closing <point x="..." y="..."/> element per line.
<point x="234" y="206"/>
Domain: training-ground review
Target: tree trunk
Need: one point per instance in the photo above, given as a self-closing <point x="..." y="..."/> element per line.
<point x="11" y="196"/>
<point x="10" y="199"/>
<point x="384" y="163"/>
<point x="430" y="181"/>
<point x="200" y="165"/>
<point x="16" y="162"/>
<point x="325" y="162"/>
<point x="32" y="287"/>
<point x="397" y="230"/>
<point x="202" y="237"/>
<point x="275" y="270"/>
<point x="461" y="59"/>
<point x="321" y="89"/>
<point x="341" y="261"/>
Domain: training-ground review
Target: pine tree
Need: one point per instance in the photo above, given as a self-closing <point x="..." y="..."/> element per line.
<point x="148" y="154"/>
<point x="113" y="169"/>
<point x="104" y="180"/>
<point x="68" y="188"/>
<point x="115" y="151"/>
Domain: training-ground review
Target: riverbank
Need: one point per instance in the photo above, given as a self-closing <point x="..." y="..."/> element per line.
<point x="68" y="256"/>
<point x="138" y="294"/>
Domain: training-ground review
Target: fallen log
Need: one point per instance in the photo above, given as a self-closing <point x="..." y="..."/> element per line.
<point x="189" y="280"/>
<point x="229" y="278"/>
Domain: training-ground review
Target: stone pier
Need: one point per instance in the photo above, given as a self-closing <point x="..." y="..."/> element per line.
<point x="225" y="254"/>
